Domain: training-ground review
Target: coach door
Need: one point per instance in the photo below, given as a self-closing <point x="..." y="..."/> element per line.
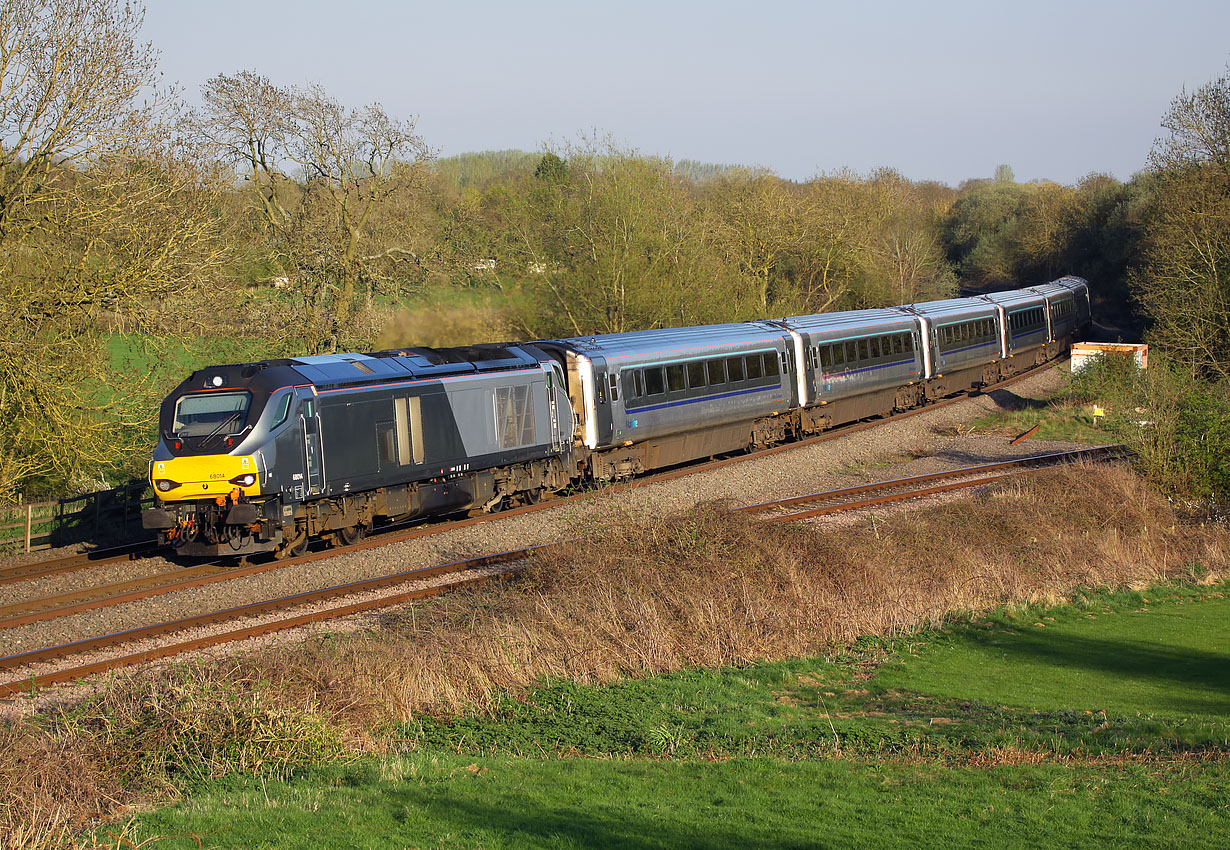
<point x="309" y="415"/>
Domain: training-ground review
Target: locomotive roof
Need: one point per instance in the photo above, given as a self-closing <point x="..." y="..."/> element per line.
<point x="342" y="369"/>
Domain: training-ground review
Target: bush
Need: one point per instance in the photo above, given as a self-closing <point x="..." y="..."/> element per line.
<point x="1178" y="425"/>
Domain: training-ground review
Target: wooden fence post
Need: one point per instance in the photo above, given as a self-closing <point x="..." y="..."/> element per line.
<point x="29" y="514"/>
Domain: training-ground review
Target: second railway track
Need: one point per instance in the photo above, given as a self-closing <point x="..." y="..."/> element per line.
<point x="838" y="500"/>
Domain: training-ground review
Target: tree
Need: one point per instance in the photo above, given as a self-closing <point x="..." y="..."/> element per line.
<point x="319" y="175"/>
<point x="1184" y="280"/>
<point x="108" y="222"/>
<point x="70" y="71"/>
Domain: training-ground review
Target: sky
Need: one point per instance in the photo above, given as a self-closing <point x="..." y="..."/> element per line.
<point x="944" y="90"/>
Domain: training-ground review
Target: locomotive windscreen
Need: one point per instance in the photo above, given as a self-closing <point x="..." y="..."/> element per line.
<point x="202" y="414"/>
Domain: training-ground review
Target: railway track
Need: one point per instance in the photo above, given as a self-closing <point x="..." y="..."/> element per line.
<point x="105" y="595"/>
<point x="463" y="572"/>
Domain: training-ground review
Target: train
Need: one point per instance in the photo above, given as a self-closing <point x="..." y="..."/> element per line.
<point x="267" y="456"/>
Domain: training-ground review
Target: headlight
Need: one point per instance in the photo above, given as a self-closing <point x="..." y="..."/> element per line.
<point x="165" y="484"/>
<point x="246" y="480"/>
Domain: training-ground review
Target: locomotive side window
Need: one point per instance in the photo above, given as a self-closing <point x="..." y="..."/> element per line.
<point x="696" y="374"/>
<point x="283" y="411"/>
<point x="631" y="378"/>
<point x="654" y="384"/>
<point x="385" y="444"/>
<point x="717" y="373"/>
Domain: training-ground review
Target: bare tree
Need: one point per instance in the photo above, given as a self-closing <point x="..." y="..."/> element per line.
<point x="70" y="71"/>
<point x="320" y="174"/>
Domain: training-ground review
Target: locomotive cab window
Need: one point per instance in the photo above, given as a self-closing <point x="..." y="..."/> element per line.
<point x="202" y="414"/>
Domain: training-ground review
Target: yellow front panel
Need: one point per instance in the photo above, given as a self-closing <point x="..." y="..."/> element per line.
<point x="204" y="476"/>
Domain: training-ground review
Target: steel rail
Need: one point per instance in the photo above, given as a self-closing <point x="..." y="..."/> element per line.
<point x="74" y="562"/>
<point x="1050" y="458"/>
<point x="255" y="609"/>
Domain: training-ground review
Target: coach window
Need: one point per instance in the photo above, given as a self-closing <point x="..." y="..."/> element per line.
<point x="873" y="348"/>
<point x="675" y="378"/>
<point x="826" y="357"/>
<point x="851" y="352"/>
<point x="770" y="364"/>
<point x="717" y="374"/>
<point x="696" y="374"/>
<point x="653" y="381"/>
<point x="839" y="354"/>
<point x="864" y="350"/>
<point x="734" y="368"/>
<point x="752" y="362"/>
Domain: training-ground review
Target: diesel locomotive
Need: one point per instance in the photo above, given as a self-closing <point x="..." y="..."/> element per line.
<point x="263" y="457"/>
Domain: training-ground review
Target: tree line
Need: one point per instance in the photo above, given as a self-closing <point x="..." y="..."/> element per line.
<point x="272" y="219"/>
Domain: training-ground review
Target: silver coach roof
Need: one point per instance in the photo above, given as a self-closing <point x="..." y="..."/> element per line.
<point x="678" y="341"/>
<point x="848" y="319"/>
<point x="1014" y="298"/>
<point x="951" y="308"/>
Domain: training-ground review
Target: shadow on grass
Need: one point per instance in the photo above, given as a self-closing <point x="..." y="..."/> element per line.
<point x="526" y="823"/>
<point x="1201" y="673"/>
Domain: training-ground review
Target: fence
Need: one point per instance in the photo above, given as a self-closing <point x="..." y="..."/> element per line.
<point x="105" y="517"/>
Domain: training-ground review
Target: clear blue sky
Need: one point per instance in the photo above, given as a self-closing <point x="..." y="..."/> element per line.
<point x="943" y="90"/>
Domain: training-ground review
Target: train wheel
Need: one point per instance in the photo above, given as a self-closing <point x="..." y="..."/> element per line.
<point x="532" y="497"/>
<point x="350" y="536"/>
<point x="294" y="547"/>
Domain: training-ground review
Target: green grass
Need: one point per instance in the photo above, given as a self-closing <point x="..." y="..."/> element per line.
<point x="438" y="800"/>
<point x="1058" y="419"/>
<point x="1102" y="723"/>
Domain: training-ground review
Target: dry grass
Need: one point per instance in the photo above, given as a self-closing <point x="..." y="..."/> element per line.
<point x="650" y="595"/>
<point x="644" y="595"/>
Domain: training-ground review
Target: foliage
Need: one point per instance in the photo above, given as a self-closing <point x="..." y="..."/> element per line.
<point x="1178" y="425"/>
<point x="108" y="221"/>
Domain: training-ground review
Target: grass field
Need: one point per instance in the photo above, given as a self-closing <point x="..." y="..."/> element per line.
<point x="1102" y="723"/>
